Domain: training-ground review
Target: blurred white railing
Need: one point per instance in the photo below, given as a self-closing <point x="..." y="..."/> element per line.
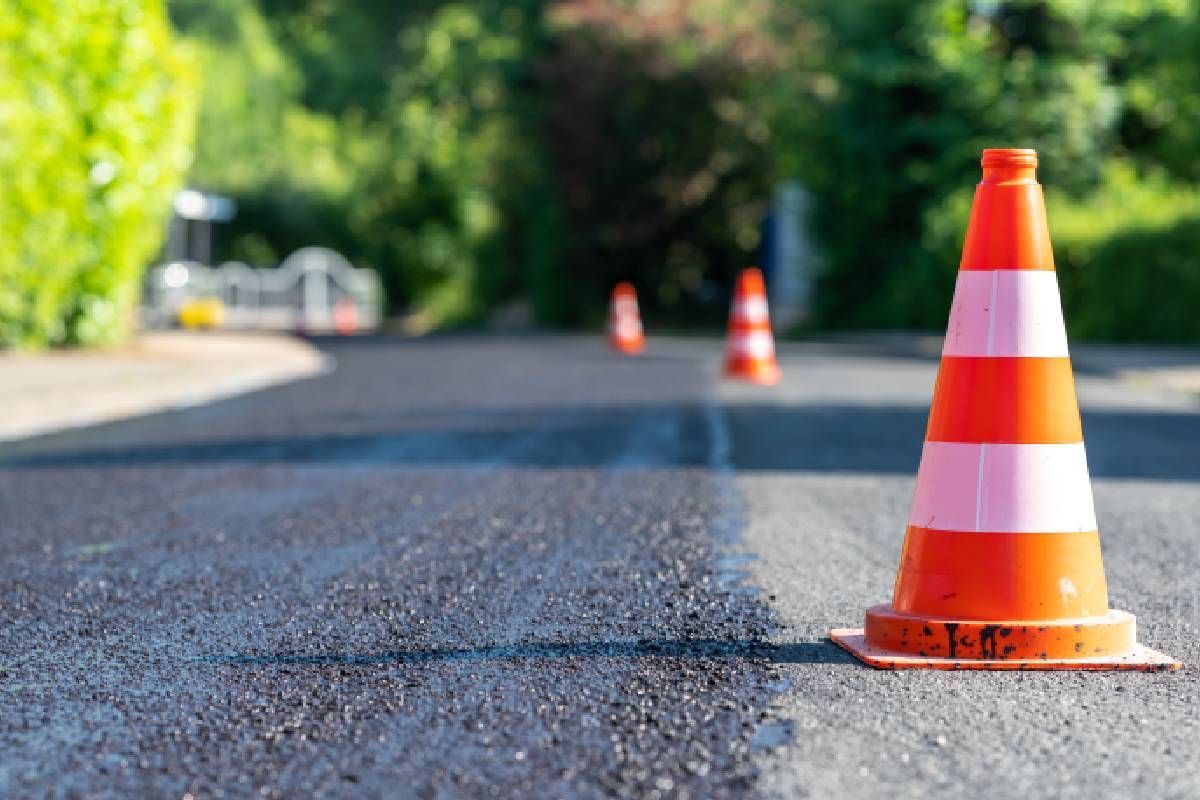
<point x="314" y="290"/>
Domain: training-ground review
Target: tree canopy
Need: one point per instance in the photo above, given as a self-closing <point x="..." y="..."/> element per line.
<point x="479" y="151"/>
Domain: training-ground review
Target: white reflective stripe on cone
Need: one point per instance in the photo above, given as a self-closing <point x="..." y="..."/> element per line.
<point x="754" y="344"/>
<point x="750" y="309"/>
<point x="1006" y="312"/>
<point x="628" y="328"/>
<point x="625" y="305"/>
<point x="1005" y="488"/>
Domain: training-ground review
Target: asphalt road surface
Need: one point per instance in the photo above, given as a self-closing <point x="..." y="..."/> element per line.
<point x="526" y="567"/>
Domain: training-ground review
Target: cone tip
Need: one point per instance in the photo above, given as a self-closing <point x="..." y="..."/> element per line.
<point x="1009" y="165"/>
<point x="1009" y="157"/>
<point x="751" y="279"/>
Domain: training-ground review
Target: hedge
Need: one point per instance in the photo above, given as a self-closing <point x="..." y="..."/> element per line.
<point x="97" y="110"/>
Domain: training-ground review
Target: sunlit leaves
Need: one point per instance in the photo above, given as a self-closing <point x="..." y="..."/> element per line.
<point x="917" y="89"/>
<point x="455" y="140"/>
<point x="96" y="109"/>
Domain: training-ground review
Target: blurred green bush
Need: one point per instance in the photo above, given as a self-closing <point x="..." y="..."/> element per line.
<point x="907" y="94"/>
<point x="1128" y="258"/>
<point x="480" y="151"/>
<point x="290" y="167"/>
<point x="96" y="114"/>
<point x="454" y="205"/>
<point x="661" y="168"/>
<point x="1127" y="255"/>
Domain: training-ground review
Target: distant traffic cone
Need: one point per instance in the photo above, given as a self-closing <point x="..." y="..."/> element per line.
<point x="750" y="351"/>
<point x="624" y="321"/>
<point x="345" y="317"/>
<point x="1001" y="566"/>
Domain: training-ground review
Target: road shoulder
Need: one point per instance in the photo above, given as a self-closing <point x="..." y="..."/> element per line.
<point x="47" y="392"/>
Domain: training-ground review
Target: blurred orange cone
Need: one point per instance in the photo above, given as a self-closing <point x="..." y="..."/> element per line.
<point x="345" y="317"/>
<point x="750" y="352"/>
<point x="1001" y="566"/>
<point x="624" y="321"/>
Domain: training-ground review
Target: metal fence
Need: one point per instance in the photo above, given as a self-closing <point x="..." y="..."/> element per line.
<point x="314" y="290"/>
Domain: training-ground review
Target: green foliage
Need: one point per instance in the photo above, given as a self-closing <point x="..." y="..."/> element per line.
<point x="447" y="144"/>
<point x="290" y="168"/>
<point x="480" y="150"/>
<point x="910" y="94"/>
<point x="1161" y="70"/>
<point x="450" y="207"/>
<point x="385" y="131"/>
<point x="661" y="167"/>
<point x="1127" y="256"/>
<point x="916" y="90"/>
<point x="96" y="109"/>
<point x="249" y="90"/>
<point x="1128" y="259"/>
<point x="346" y="51"/>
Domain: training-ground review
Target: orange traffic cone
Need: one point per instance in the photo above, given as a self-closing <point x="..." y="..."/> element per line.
<point x="750" y="353"/>
<point x="624" y="322"/>
<point x="345" y="317"/>
<point x="1001" y="566"/>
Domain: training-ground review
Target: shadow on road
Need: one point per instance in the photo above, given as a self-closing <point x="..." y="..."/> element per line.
<point x="765" y="438"/>
<point x="823" y="652"/>
<point x="888" y="440"/>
